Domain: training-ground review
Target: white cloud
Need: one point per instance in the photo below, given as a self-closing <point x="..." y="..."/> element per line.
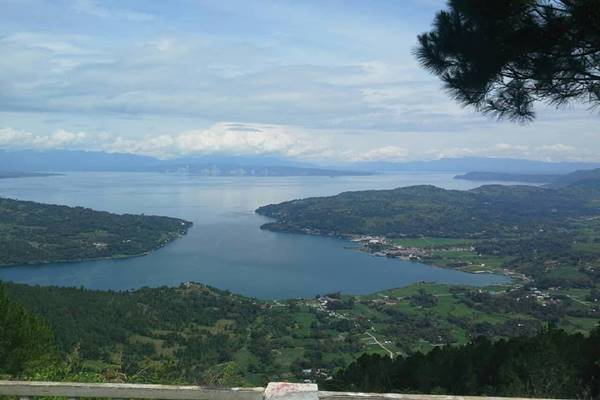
<point x="387" y="153"/>
<point x="17" y="139"/>
<point x="303" y="79"/>
<point x="55" y="44"/>
<point x="225" y="138"/>
<point x="544" y="152"/>
<point x="232" y="138"/>
<point x="221" y="138"/>
<point x="91" y="7"/>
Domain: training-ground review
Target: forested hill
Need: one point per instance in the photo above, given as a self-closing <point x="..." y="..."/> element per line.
<point x="552" y="364"/>
<point x="427" y="210"/>
<point x="587" y="179"/>
<point x="33" y="233"/>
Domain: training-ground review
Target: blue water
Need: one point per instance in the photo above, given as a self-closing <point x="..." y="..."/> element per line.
<point x="226" y="248"/>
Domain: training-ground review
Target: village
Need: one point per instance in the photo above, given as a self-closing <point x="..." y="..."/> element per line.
<point x="379" y="246"/>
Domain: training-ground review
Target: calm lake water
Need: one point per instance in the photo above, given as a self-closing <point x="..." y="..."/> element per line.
<point x="226" y="248"/>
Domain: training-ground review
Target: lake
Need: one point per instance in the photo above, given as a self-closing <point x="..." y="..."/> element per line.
<point x="225" y="248"/>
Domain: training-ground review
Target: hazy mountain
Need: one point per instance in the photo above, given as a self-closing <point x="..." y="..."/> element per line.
<point x="63" y="160"/>
<point x="582" y="179"/>
<point x="66" y="160"/>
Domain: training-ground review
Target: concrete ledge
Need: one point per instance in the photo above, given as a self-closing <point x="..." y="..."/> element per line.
<point x="323" y="395"/>
<point x="291" y="391"/>
<point x="274" y="391"/>
<point x="126" y="391"/>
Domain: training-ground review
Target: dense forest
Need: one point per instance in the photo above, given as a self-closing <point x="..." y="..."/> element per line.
<point x="34" y="233"/>
<point x="201" y="335"/>
<point x="197" y="334"/>
<point x="551" y="364"/>
<point x="26" y="340"/>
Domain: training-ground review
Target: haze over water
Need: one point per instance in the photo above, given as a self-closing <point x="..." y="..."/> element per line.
<point x="225" y="248"/>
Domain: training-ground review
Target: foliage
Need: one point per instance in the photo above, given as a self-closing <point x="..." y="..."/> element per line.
<point x="26" y="341"/>
<point x="501" y="56"/>
<point x="488" y="211"/>
<point x="197" y="334"/>
<point x="34" y="233"/>
<point x="551" y="364"/>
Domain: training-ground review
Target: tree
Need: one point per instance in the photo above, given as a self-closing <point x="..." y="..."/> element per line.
<point x="26" y="342"/>
<point x="502" y="56"/>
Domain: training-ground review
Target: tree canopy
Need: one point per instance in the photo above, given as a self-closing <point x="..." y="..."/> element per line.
<point x="26" y="341"/>
<point x="551" y="364"/>
<point x="502" y="56"/>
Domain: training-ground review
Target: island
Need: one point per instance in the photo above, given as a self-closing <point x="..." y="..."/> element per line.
<point x="36" y="233"/>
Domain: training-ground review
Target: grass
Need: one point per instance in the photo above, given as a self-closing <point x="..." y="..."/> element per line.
<point x="579" y="324"/>
<point x="431" y="242"/>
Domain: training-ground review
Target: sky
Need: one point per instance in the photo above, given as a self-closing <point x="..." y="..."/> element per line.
<point x="322" y="81"/>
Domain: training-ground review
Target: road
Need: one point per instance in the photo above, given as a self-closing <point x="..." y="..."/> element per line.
<point x="380" y="344"/>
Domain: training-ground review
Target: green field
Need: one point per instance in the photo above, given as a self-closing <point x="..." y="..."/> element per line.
<point x="431" y="242"/>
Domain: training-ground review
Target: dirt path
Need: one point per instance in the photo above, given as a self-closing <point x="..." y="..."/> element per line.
<point x="380" y="344"/>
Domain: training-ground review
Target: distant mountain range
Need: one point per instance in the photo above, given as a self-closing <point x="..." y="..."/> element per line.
<point x="62" y="160"/>
<point x="261" y="165"/>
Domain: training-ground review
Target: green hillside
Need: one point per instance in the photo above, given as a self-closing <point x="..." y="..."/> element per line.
<point x="427" y="210"/>
<point x="34" y="233"/>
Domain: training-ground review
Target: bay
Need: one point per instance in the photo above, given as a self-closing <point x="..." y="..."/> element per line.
<point x="225" y="248"/>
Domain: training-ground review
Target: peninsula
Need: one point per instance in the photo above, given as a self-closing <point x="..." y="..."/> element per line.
<point x="35" y="233"/>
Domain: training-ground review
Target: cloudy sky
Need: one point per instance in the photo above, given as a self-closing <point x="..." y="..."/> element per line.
<point x="321" y="80"/>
